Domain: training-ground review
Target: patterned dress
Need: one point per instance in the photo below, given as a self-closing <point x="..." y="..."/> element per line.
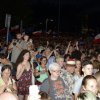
<point x="24" y="82"/>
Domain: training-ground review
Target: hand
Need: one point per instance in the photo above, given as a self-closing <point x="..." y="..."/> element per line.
<point x="10" y="86"/>
<point x="47" y="42"/>
<point x="69" y="43"/>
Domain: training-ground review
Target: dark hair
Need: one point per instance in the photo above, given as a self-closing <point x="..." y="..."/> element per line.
<point x="6" y="67"/>
<point x="3" y="56"/>
<point x="86" y="62"/>
<point x="20" y="57"/>
<point x="86" y="78"/>
<point x="42" y="58"/>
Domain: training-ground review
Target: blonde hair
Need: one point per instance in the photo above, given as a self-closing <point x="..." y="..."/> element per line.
<point x="59" y="58"/>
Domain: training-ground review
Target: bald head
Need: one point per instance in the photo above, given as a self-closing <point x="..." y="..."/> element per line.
<point x="8" y="96"/>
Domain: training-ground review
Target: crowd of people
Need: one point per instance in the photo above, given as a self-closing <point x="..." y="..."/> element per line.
<point x="66" y="69"/>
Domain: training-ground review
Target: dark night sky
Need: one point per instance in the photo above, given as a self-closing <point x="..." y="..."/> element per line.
<point x="73" y="13"/>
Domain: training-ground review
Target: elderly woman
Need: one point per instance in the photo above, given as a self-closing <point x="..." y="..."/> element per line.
<point x="54" y="85"/>
<point x="7" y="84"/>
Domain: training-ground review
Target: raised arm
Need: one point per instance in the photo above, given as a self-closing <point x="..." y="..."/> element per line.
<point x="67" y="49"/>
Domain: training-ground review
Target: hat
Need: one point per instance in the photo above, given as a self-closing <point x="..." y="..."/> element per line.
<point x="71" y="62"/>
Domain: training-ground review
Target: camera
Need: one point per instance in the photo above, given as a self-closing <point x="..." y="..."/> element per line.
<point x="14" y="42"/>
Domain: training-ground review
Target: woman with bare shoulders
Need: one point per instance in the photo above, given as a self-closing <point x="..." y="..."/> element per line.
<point x="24" y="74"/>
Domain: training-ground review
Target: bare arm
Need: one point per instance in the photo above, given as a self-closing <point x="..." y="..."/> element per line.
<point x="75" y="96"/>
<point x="2" y="88"/>
<point x="77" y="48"/>
<point x="67" y="49"/>
<point x="20" y="70"/>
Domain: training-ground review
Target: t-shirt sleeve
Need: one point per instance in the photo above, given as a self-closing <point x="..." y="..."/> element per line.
<point x="45" y="86"/>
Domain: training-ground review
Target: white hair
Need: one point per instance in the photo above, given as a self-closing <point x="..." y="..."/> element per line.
<point x="54" y="66"/>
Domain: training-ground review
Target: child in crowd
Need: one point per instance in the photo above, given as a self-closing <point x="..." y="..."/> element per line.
<point x="89" y="83"/>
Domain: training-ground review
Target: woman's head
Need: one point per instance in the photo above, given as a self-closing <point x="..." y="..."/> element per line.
<point x="43" y="60"/>
<point x="24" y="55"/>
<point x="90" y="83"/>
<point x="26" y="37"/>
<point x="6" y="71"/>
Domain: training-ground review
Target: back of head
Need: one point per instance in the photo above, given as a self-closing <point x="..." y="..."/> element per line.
<point x="87" y="95"/>
<point x="8" y="96"/>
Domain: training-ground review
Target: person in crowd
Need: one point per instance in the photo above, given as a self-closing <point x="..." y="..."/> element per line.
<point x="89" y="83"/>
<point x="87" y="69"/>
<point x="60" y="61"/>
<point x="7" y="84"/>
<point x="71" y="47"/>
<point x="97" y="76"/>
<point x="5" y="61"/>
<point x="24" y="74"/>
<point x="54" y="86"/>
<point x="78" y="68"/>
<point x="87" y="95"/>
<point x="41" y="72"/>
<point x="67" y="75"/>
<point x="8" y="96"/>
<point x="16" y="46"/>
<point x="28" y="42"/>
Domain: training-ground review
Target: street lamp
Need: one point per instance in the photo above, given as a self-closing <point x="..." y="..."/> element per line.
<point x="47" y="20"/>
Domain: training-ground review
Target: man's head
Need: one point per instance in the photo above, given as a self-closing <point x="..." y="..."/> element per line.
<point x="18" y="36"/>
<point x="8" y="96"/>
<point x="70" y="66"/>
<point x="87" y="67"/>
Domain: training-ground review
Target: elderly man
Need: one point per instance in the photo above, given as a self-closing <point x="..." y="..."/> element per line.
<point x="54" y="86"/>
<point x="68" y="78"/>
